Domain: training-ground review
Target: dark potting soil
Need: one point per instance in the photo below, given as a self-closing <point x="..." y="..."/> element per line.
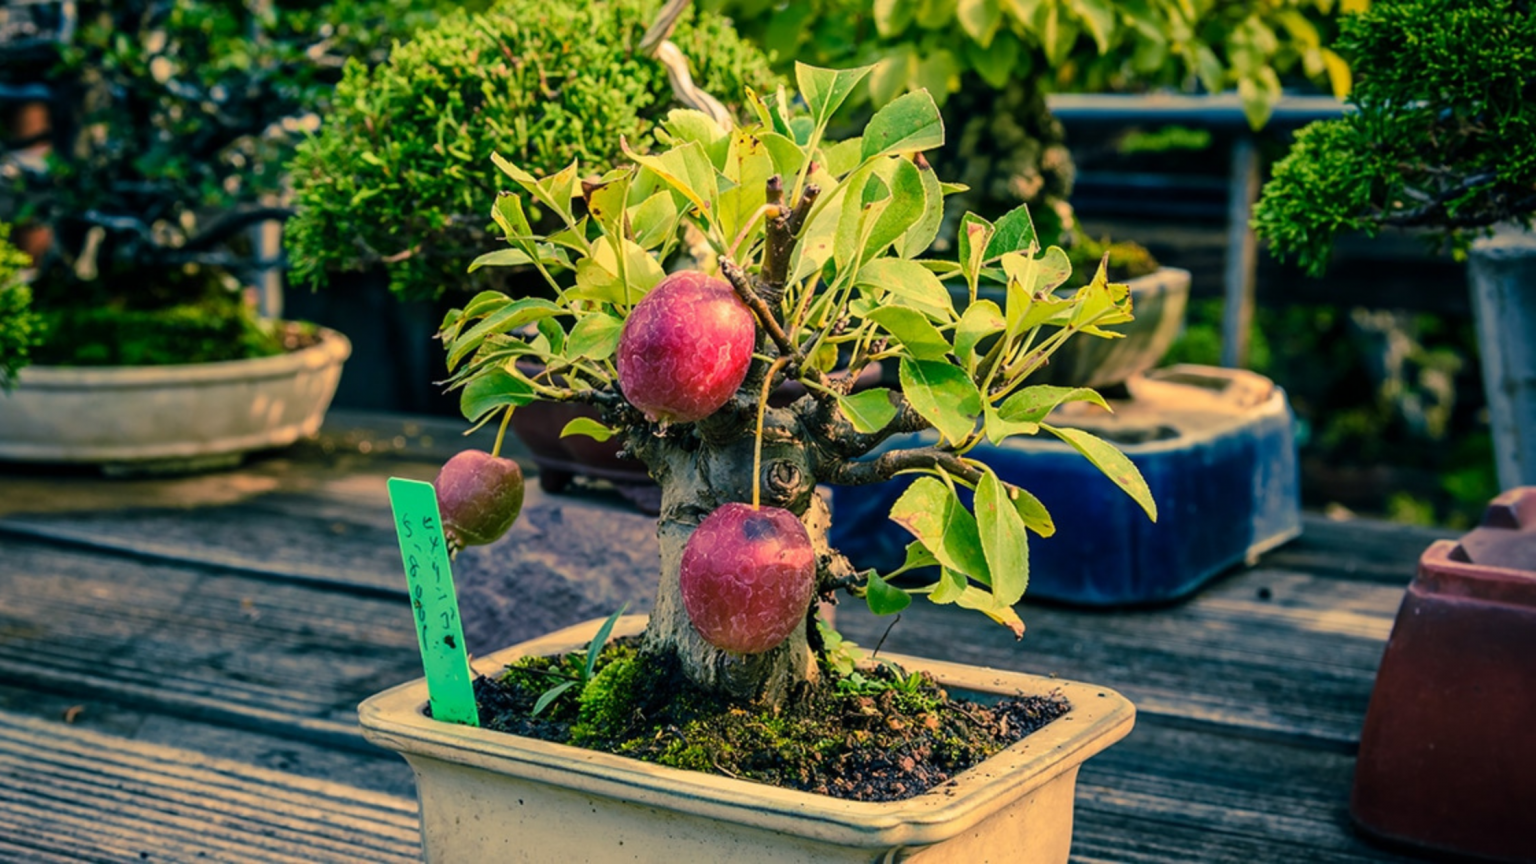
<point x="876" y="735"/>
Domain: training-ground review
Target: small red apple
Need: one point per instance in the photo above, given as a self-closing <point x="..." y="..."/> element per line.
<point x="685" y="348"/>
<point x="747" y="577"/>
<point x="479" y="496"/>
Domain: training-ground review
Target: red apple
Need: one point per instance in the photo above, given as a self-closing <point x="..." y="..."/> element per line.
<point x="747" y="577"/>
<point x="685" y="348"/>
<point x="479" y="496"/>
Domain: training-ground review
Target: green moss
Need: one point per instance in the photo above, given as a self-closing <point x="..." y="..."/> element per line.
<point x="212" y="330"/>
<point x="878" y="734"/>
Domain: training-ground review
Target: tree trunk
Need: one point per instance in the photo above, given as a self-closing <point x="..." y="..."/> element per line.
<point x="698" y="473"/>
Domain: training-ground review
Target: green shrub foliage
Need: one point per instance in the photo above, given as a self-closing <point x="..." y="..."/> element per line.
<point x="1442" y="135"/>
<point x="989" y="64"/>
<point x="400" y="173"/>
<point x="20" y="328"/>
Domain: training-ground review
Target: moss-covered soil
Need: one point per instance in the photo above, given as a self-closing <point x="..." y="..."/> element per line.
<point x="878" y="735"/>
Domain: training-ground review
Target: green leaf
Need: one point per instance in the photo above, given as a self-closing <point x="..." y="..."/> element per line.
<point x="974" y="237"/>
<point x="484" y="303"/>
<point x="588" y="427"/>
<point x="979" y="19"/>
<point x="1099" y="17"/>
<point x="1032" y="404"/>
<point x="922" y="233"/>
<point x="1036" y="517"/>
<point x="553" y="335"/>
<point x="554" y="192"/>
<point x="654" y="220"/>
<point x="892" y="74"/>
<point x="608" y="202"/>
<point x="503" y="320"/>
<point x="914" y="331"/>
<point x="548" y="254"/>
<point x="685" y="168"/>
<point x="1057" y="33"/>
<point x="748" y="165"/>
<point x="939" y="74"/>
<point x="910" y="122"/>
<point x="909" y="282"/>
<point x="493" y="389"/>
<point x="943" y="395"/>
<point x="1003" y="540"/>
<point x="986" y="603"/>
<point x="931" y="512"/>
<point x="600" y="638"/>
<point x="1259" y="92"/>
<point x="595" y="336"/>
<point x="786" y="154"/>
<point x="1055" y="268"/>
<point x="688" y="124"/>
<point x="948" y="589"/>
<point x="893" y="16"/>
<point x="884" y="598"/>
<point x="981" y="319"/>
<point x="825" y="90"/>
<point x="905" y="208"/>
<point x="996" y="62"/>
<point x="1115" y="465"/>
<point x="842" y="157"/>
<point x="918" y="555"/>
<point x="509" y="216"/>
<point x="1015" y="232"/>
<point x="549" y="696"/>
<point x="998" y="428"/>
<point x="867" y="198"/>
<point x="597" y="277"/>
<point x="868" y="410"/>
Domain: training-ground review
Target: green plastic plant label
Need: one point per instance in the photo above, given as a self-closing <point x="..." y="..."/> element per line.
<point x="433" y="601"/>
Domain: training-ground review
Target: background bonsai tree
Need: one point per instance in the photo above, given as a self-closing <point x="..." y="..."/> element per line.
<point x="813" y="254"/>
<point x="169" y="124"/>
<point x="400" y="173"/>
<point x="1442" y="135"/>
<point x="989" y="65"/>
<point x="18" y="323"/>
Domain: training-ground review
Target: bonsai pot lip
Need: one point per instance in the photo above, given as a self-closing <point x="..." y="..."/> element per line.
<point x="331" y="349"/>
<point x="1443" y="575"/>
<point x="1099" y="717"/>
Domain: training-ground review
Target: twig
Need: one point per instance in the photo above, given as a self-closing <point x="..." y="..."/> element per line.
<point x="770" y="323"/>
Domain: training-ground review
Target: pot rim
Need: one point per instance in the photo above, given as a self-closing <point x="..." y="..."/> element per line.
<point x="1099" y="717"/>
<point x="331" y="349"/>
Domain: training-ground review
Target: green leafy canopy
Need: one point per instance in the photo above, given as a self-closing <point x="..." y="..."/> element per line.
<point x="851" y="285"/>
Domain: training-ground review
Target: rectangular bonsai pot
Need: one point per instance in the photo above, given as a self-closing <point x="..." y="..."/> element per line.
<point x="496" y="797"/>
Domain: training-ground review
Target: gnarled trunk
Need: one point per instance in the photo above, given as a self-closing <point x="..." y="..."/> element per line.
<point x="698" y="473"/>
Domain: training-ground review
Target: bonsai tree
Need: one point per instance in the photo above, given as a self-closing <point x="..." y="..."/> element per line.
<point x="1442" y="135"/>
<point x="18" y="323"/>
<point x="808" y="251"/>
<point x="169" y="124"/>
<point x="990" y="64"/>
<point x="400" y="175"/>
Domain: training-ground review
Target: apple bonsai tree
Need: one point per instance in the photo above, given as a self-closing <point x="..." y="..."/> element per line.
<point x="790" y="255"/>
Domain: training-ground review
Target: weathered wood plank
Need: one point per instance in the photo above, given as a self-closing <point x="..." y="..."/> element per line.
<point x="76" y="794"/>
<point x="1166" y="794"/>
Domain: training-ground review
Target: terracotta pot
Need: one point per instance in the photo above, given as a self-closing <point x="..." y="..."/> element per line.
<point x="169" y="418"/>
<point x="497" y="797"/>
<point x="1447" y="756"/>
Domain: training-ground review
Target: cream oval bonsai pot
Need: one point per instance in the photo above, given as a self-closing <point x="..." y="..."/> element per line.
<point x="489" y="796"/>
<point x="184" y="416"/>
<point x="801" y="256"/>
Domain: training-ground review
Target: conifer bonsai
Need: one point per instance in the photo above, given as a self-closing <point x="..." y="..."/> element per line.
<point x="1442" y="135"/>
<point x="170" y="123"/>
<point x="816" y="248"/>
<point x="399" y="175"/>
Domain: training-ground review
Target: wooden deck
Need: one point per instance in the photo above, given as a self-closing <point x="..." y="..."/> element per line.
<point x="180" y="660"/>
